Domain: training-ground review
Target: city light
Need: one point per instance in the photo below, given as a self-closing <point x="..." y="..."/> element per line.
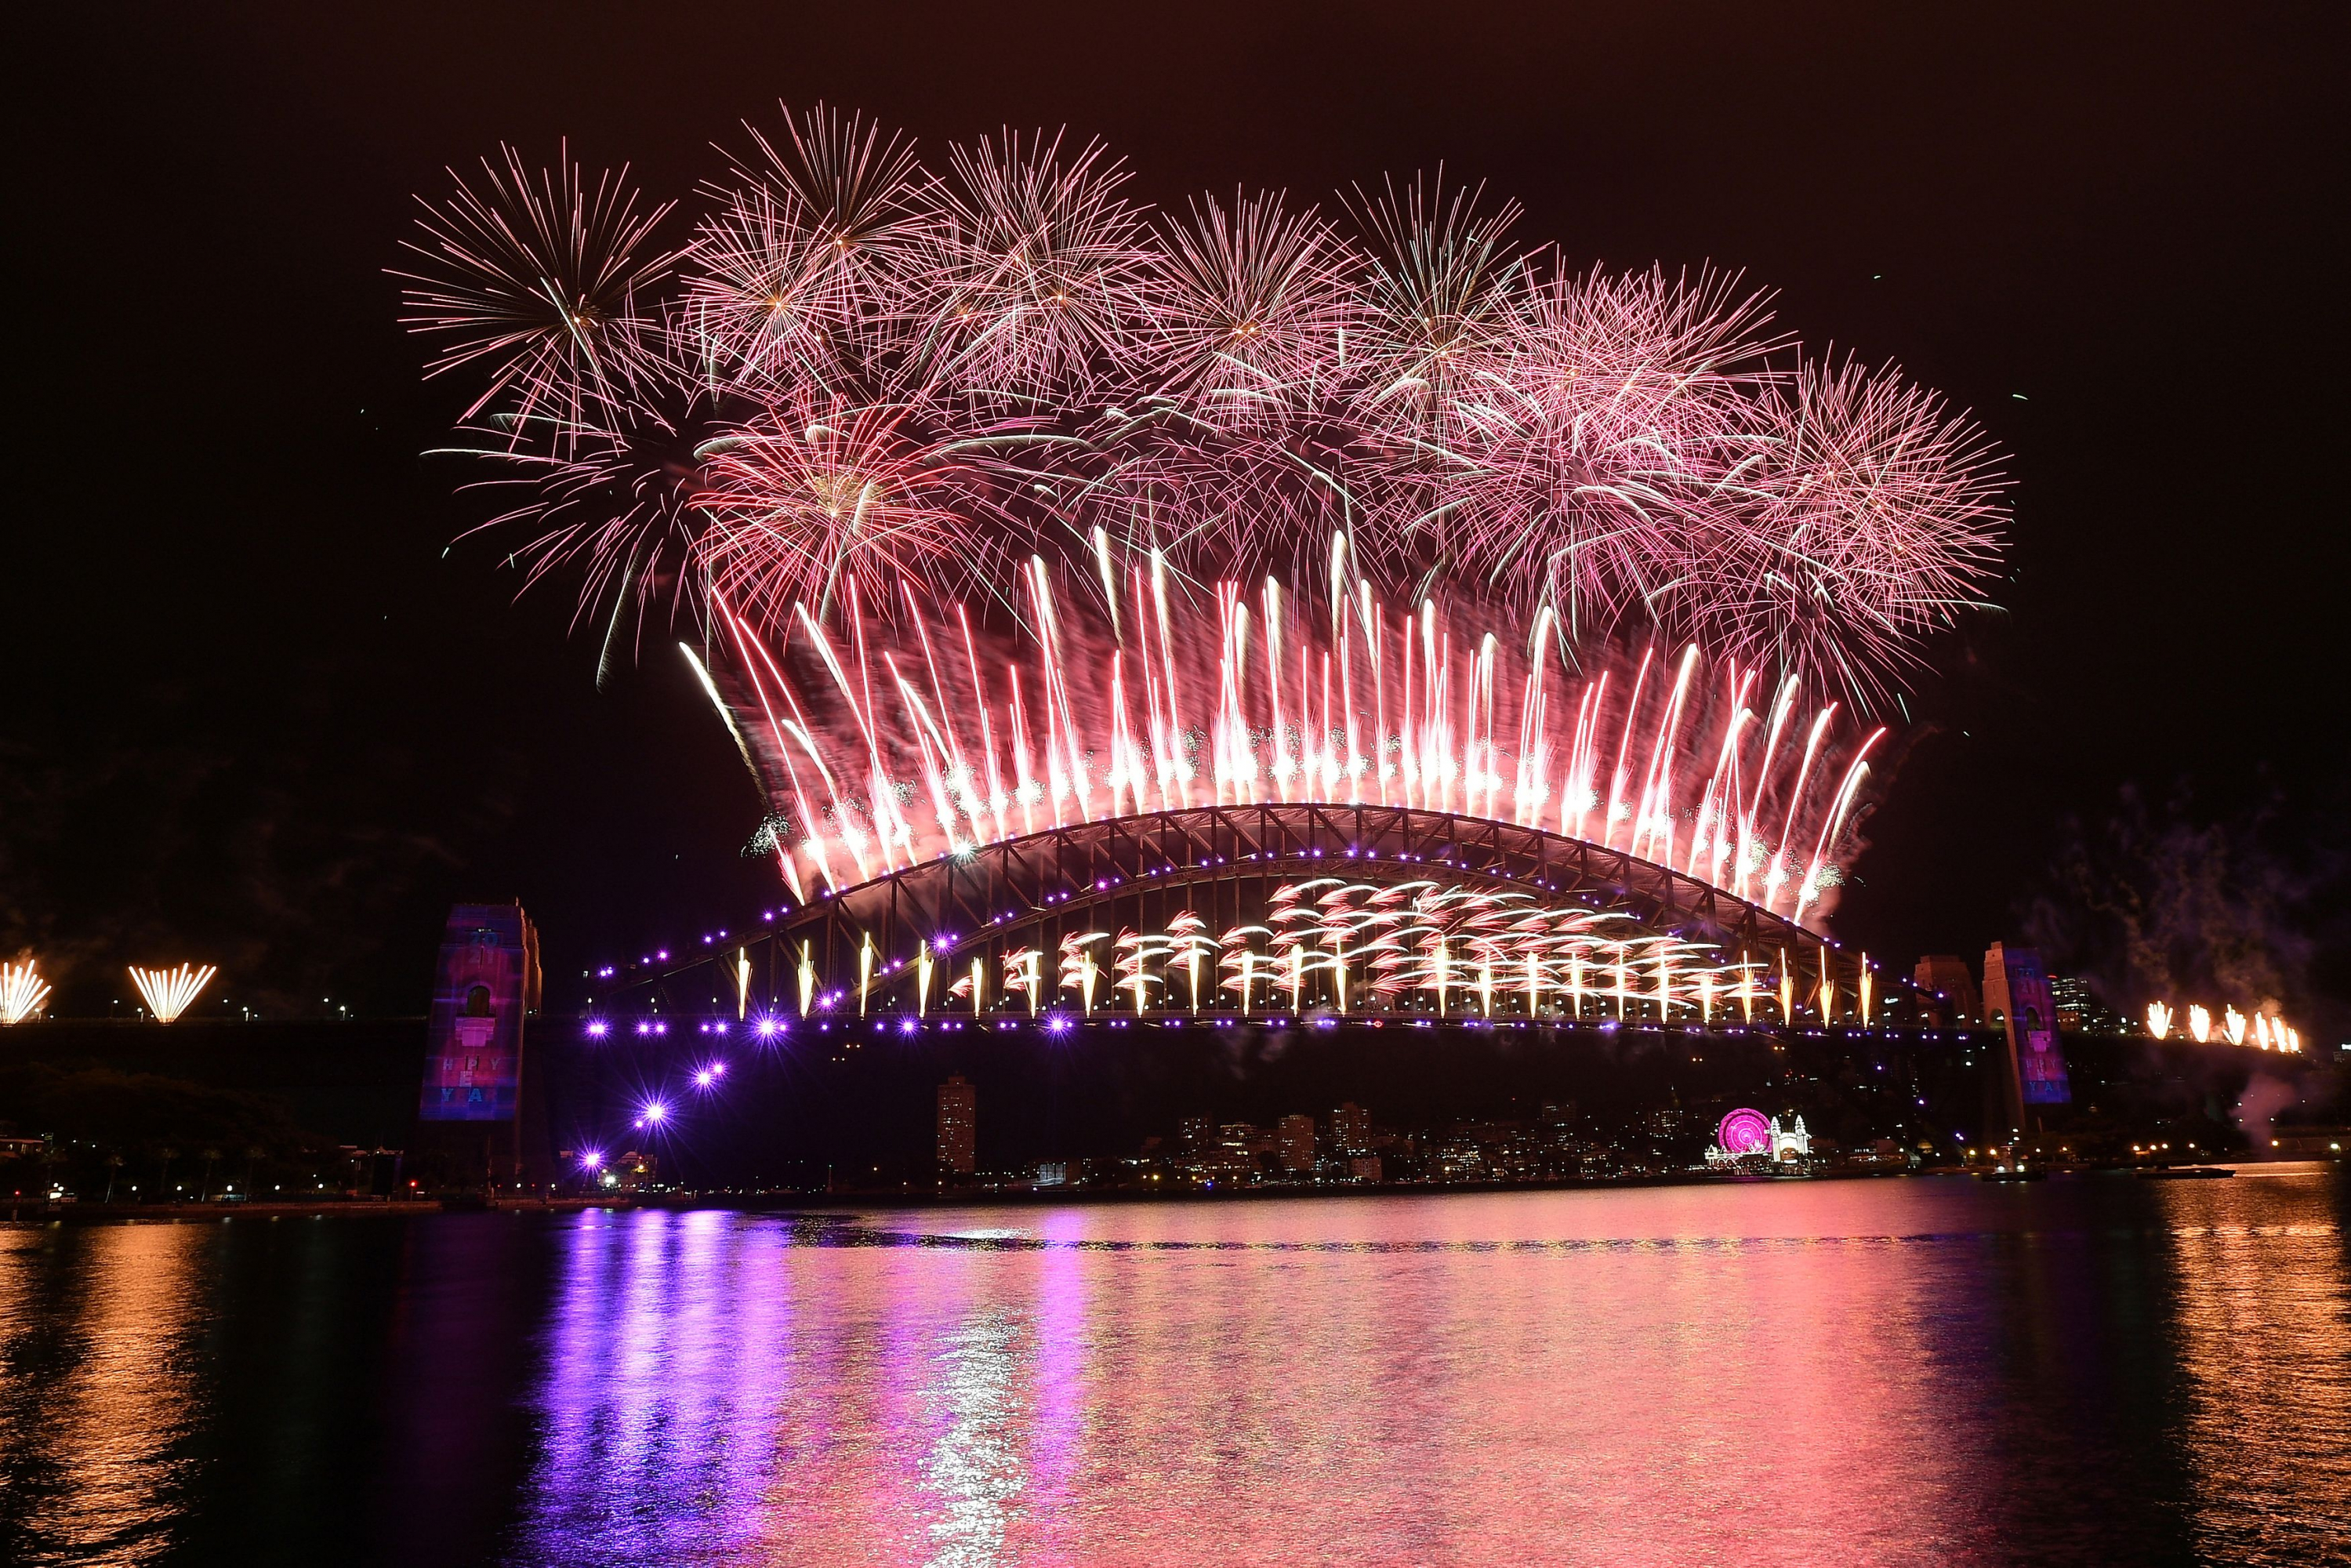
<point x="598" y="1028"/>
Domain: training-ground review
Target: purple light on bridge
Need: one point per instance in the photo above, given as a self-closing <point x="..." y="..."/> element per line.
<point x="598" y="1028"/>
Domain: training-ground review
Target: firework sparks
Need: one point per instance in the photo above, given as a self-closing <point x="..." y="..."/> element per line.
<point x="546" y="287"/>
<point x="856" y="369"/>
<point x="2265" y="1027"/>
<point x="170" y="992"/>
<point x="22" y="992"/>
<point x="893" y="747"/>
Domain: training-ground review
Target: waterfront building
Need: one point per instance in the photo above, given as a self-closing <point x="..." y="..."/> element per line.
<point x="958" y="1143"/>
<point x="1297" y="1143"/>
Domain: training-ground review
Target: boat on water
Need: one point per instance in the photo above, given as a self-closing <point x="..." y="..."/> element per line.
<point x="2011" y="1173"/>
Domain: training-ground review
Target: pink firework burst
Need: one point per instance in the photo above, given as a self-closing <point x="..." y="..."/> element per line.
<point x="809" y="255"/>
<point x="1876" y="518"/>
<point x="860" y="370"/>
<point x="1438" y="292"/>
<point x="823" y="497"/>
<point x="1596" y="438"/>
<point x="1248" y="311"/>
<point x="1031" y="267"/>
<point x="541" y="285"/>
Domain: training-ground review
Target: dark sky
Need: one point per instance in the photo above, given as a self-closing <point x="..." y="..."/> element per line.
<point x="253" y="713"/>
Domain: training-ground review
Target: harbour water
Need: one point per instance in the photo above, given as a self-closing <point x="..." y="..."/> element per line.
<point x="2090" y="1370"/>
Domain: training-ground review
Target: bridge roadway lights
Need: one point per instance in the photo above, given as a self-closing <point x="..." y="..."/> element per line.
<point x="1220" y="863"/>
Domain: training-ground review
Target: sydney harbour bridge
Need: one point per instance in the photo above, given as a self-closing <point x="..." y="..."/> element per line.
<point x="1100" y="980"/>
<point x="1157" y="911"/>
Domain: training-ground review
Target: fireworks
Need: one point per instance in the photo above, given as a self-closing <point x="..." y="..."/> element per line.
<point x="1339" y="945"/>
<point x="927" y="737"/>
<point x="2266" y="1029"/>
<point x="170" y="992"/>
<point x="856" y="368"/>
<point x="22" y="992"/>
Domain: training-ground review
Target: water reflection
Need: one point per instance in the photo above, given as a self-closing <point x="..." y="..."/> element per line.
<point x="1912" y="1371"/>
<point x="974" y="1468"/>
<point x="1678" y="1376"/>
<point x="666" y="1355"/>
<point x="2264" y="1330"/>
<point x="100" y="1390"/>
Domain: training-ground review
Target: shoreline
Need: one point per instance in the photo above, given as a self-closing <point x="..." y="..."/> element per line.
<point x="788" y="1202"/>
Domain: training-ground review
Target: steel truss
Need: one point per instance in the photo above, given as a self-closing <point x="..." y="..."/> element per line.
<point x="1220" y="862"/>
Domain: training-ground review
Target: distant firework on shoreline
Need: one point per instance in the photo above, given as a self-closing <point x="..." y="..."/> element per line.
<point x="168" y="993"/>
<point x="22" y="992"/>
<point x="858" y="388"/>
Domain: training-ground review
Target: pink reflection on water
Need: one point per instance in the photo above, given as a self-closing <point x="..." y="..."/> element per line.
<point x="1299" y="1382"/>
<point x="1847" y="1372"/>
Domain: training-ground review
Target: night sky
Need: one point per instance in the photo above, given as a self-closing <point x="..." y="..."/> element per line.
<point x="257" y="710"/>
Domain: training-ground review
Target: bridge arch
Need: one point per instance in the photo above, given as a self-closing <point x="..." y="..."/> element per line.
<point x="860" y="949"/>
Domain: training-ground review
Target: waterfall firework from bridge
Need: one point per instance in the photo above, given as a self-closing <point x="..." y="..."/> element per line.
<point x="910" y="743"/>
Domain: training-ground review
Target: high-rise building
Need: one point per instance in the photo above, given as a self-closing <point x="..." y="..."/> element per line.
<point x="1194" y="1134"/>
<point x="1946" y="978"/>
<point x="959" y="1127"/>
<point x="1298" y="1145"/>
<point x="1351" y="1129"/>
<point x="2078" y="1010"/>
